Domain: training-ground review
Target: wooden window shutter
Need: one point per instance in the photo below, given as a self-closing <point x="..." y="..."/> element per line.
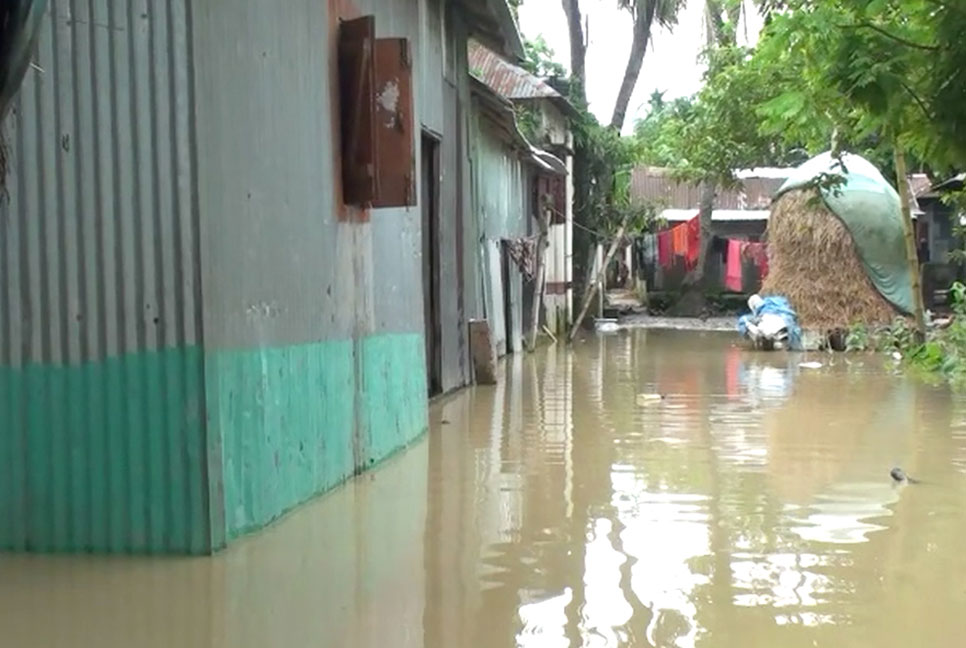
<point x="394" y="129"/>
<point x="357" y="110"/>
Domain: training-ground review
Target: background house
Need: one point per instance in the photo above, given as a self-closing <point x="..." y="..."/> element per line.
<point x="937" y="237"/>
<point x="739" y="213"/>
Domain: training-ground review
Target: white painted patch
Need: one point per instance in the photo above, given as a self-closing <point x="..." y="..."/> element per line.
<point x="388" y="100"/>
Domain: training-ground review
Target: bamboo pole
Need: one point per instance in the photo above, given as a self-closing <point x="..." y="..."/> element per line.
<point x="540" y="281"/>
<point x="592" y="287"/>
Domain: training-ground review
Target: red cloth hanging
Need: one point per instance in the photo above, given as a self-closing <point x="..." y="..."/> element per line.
<point x="694" y="242"/>
<point x="759" y="255"/>
<point x="733" y="267"/>
<point x="664" y="256"/>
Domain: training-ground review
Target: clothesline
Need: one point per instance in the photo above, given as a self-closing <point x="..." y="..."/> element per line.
<point x="683" y="241"/>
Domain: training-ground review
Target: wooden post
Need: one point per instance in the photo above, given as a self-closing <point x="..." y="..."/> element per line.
<point x="912" y="256"/>
<point x="484" y="355"/>
<point x="595" y="282"/>
<point x="540" y="281"/>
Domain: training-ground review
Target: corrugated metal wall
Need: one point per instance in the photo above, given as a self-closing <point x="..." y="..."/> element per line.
<point x="501" y="211"/>
<point x="99" y="288"/>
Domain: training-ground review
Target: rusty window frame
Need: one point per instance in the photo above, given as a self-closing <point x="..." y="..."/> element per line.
<point x="378" y="152"/>
<point x="357" y="110"/>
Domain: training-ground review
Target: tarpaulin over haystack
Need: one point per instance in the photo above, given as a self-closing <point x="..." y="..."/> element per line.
<point x="870" y="209"/>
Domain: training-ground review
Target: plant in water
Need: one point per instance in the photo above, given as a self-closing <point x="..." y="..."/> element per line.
<point x="943" y="352"/>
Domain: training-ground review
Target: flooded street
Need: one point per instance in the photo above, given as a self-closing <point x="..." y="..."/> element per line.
<point x="572" y="506"/>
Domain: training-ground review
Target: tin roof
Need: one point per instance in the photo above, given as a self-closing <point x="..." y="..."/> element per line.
<point x="492" y="21"/>
<point x="511" y="81"/>
<point x="500" y="111"/>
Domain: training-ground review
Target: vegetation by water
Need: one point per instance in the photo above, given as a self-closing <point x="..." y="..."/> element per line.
<point x="942" y="353"/>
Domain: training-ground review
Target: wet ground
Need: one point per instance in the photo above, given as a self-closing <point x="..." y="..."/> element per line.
<point x="646" y="321"/>
<point x="752" y="506"/>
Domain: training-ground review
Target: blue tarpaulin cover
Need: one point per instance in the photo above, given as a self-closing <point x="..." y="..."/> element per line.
<point x="776" y="306"/>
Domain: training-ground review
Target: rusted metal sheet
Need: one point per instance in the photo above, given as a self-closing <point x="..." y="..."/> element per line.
<point x="393" y="127"/>
<point x="357" y="109"/>
<point x="507" y="79"/>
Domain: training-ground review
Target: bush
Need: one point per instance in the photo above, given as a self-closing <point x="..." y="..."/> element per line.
<point x="943" y="352"/>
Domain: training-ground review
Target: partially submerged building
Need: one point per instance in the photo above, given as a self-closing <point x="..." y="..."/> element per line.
<point x="543" y="117"/>
<point x="237" y="256"/>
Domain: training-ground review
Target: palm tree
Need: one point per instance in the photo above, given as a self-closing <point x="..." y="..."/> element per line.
<point x="646" y="13"/>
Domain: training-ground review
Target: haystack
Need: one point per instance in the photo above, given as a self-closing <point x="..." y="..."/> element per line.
<point x="813" y="262"/>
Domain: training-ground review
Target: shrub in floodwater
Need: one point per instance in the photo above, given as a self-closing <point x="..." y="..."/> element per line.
<point x="943" y="352"/>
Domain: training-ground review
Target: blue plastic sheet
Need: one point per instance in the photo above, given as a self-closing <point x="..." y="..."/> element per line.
<point x="776" y="306"/>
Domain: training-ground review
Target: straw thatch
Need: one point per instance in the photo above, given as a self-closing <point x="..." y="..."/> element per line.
<point x="814" y="263"/>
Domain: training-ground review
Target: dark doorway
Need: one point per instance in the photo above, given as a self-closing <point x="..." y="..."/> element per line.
<point x="431" y="273"/>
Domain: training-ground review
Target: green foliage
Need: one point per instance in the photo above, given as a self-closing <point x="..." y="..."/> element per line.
<point x="852" y="73"/>
<point x="609" y="161"/>
<point x="943" y="352"/>
<point x="871" y="69"/>
<point x="540" y="59"/>
<point x="605" y="160"/>
<point x="528" y="120"/>
<point x="958" y="201"/>
<point x="715" y="133"/>
<point x="665" y="12"/>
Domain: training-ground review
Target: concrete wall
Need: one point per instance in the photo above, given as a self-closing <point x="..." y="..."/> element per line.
<point x="194" y="337"/>
<point x="315" y="360"/>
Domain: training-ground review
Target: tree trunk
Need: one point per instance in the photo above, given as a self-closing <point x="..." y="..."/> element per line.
<point x="705" y="214"/>
<point x="578" y="50"/>
<point x="642" y="33"/>
<point x="591" y="289"/>
<point x="705" y="211"/>
<point x="717" y="34"/>
<point x="912" y="257"/>
<point x="693" y="299"/>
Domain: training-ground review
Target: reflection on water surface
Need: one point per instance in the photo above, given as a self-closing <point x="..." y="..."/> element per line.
<point x="750" y="507"/>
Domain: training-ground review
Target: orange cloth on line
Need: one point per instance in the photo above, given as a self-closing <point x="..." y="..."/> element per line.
<point x="694" y="242"/>
<point x="679" y="238"/>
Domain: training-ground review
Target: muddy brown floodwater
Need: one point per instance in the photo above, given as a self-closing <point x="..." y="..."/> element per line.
<point x="752" y="506"/>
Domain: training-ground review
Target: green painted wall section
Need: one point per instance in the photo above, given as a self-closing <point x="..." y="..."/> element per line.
<point x="105" y="457"/>
<point x="113" y="456"/>
<point x="296" y="421"/>
<point x="394" y="393"/>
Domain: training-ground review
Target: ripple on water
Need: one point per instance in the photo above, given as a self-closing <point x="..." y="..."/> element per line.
<point x="840" y="515"/>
